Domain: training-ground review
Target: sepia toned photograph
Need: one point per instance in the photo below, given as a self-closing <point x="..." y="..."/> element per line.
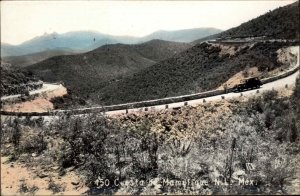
<point x="138" y="97"/>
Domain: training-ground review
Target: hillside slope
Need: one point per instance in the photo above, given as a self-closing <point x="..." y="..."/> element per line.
<point x="29" y="59"/>
<point x="281" y="23"/>
<point x="88" y="72"/>
<point x="10" y="50"/>
<point x="15" y="81"/>
<point x="200" y="68"/>
<point x="185" y="35"/>
<point x="207" y="66"/>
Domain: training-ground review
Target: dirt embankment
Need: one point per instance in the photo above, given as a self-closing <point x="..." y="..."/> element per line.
<point x="236" y="79"/>
<point x="39" y="104"/>
<point x="284" y="56"/>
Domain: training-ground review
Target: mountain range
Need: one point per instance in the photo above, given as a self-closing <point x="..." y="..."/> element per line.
<point x="29" y="59"/>
<point x="207" y="66"/>
<point x="118" y="73"/>
<point x="185" y="35"/>
<point x="88" y="72"/>
<point x="83" y="41"/>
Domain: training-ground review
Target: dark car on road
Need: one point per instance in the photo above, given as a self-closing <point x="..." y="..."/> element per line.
<point x="250" y="83"/>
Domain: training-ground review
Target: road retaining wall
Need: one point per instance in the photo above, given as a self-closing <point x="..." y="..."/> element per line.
<point x="286" y="74"/>
<point x="141" y="104"/>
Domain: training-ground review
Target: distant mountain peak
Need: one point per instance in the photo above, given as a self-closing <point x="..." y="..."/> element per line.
<point x="183" y="35"/>
<point x="49" y="34"/>
<point x="83" y="41"/>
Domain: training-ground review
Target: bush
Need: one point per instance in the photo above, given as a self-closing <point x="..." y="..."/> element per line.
<point x="269" y="95"/>
<point x="55" y="188"/>
<point x="32" y="141"/>
<point x="24" y="188"/>
<point x="84" y="145"/>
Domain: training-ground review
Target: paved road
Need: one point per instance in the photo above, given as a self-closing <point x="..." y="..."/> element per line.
<point x="46" y="88"/>
<point x="281" y="83"/>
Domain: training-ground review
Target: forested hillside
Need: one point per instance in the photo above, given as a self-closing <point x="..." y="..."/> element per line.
<point x="281" y="23"/>
<point x="200" y="68"/>
<point x="29" y="59"/>
<point x="88" y="72"/>
<point x="15" y="81"/>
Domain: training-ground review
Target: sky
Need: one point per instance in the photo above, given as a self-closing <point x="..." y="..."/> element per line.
<point x="23" y="20"/>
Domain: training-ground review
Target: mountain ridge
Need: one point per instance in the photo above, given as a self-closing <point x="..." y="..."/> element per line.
<point x="200" y="68"/>
<point x="29" y="59"/>
<point x="281" y="23"/>
<point x="94" y="69"/>
<point x="83" y="41"/>
<point x="205" y="66"/>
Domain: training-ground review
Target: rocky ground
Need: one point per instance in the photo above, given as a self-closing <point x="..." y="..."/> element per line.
<point x="17" y="177"/>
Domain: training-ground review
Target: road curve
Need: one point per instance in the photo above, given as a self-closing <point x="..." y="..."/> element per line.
<point x="288" y="81"/>
<point x="277" y="84"/>
<point x="47" y="87"/>
<point x="281" y="83"/>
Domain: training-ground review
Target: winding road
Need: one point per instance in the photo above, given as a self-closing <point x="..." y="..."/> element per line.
<point x="288" y="81"/>
<point x="278" y="84"/>
<point x="47" y="87"/>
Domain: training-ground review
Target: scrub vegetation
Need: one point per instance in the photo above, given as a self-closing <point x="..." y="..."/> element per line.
<point x="232" y="141"/>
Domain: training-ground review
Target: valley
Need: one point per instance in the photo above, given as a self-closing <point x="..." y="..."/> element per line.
<point x="104" y="65"/>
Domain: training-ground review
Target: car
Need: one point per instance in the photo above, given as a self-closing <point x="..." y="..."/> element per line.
<point x="247" y="84"/>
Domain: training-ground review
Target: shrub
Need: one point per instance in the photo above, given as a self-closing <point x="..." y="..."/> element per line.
<point x="32" y="141"/>
<point x="55" y="188"/>
<point x="24" y="188"/>
<point x="16" y="133"/>
<point x="84" y="145"/>
<point x="207" y="142"/>
<point x="270" y="95"/>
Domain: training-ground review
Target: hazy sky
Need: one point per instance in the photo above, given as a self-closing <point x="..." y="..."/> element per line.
<point x="23" y="20"/>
